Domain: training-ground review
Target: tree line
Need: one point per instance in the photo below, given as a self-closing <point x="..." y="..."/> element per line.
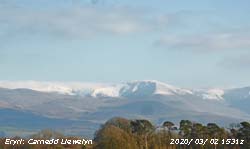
<point x="121" y="133"/>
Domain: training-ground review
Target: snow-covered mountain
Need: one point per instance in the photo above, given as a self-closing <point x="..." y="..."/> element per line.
<point x="96" y="102"/>
<point x="127" y="89"/>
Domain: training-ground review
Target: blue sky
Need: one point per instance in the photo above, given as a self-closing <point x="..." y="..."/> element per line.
<point x="185" y="43"/>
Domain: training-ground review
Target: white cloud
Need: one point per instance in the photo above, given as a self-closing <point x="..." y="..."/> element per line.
<point x="207" y="42"/>
<point x="76" y="21"/>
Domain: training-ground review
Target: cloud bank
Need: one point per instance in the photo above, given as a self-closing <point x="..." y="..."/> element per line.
<point x="207" y="41"/>
<point x="78" y="21"/>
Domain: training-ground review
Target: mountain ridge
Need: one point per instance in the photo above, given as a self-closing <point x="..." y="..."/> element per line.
<point x="123" y="89"/>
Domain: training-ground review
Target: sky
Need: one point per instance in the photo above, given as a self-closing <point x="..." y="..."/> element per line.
<point x="185" y="43"/>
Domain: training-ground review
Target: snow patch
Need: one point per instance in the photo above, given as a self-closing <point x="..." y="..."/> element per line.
<point x="166" y="89"/>
<point x="112" y="91"/>
<point x="213" y="94"/>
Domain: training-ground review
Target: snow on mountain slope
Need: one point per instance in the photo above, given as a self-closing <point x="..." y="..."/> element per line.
<point x="149" y="88"/>
<point x="133" y="88"/>
<point x="165" y="89"/>
<point x="71" y="88"/>
<point x="126" y="89"/>
<point x="214" y="94"/>
<point x="211" y="94"/>
<point x="111" y="91"/>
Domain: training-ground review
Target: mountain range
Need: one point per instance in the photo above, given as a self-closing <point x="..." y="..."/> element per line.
<point x="80" y="108"/>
